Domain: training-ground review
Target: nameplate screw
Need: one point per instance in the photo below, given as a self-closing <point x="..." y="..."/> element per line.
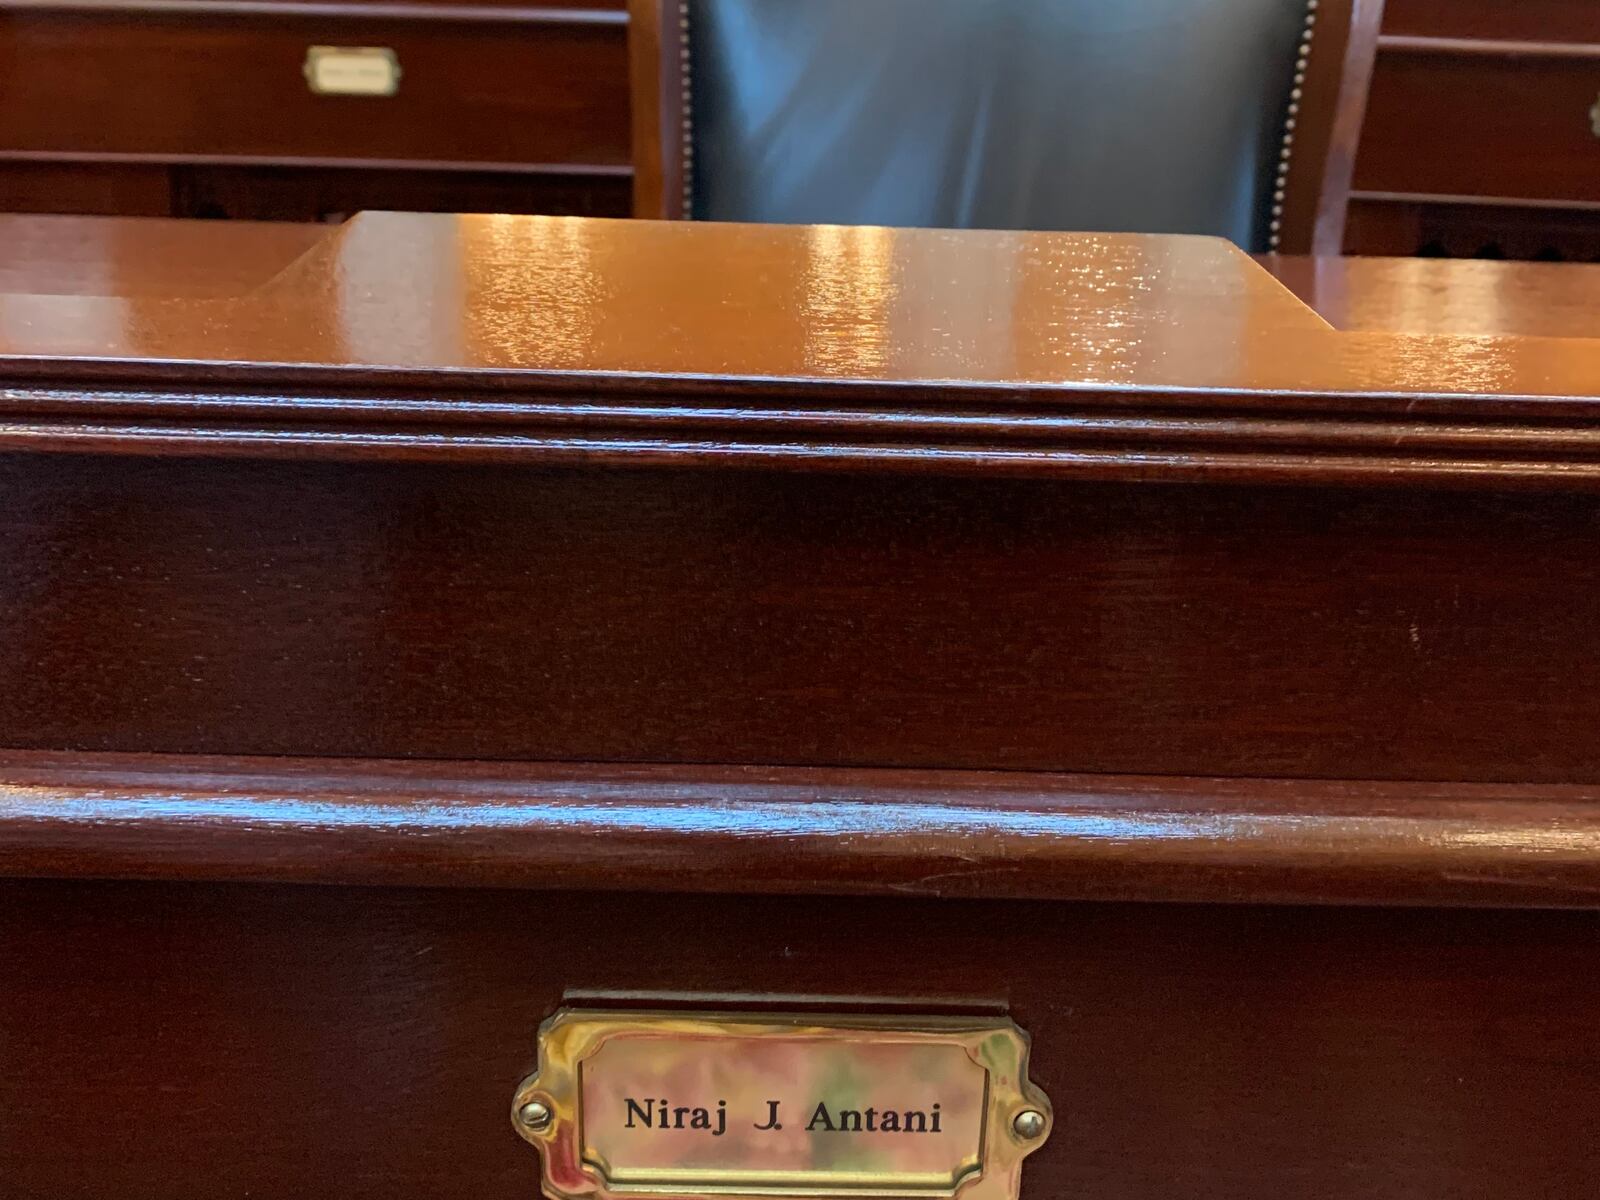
<point x="534" y="1115"/>
<point x="1029" y="1123"/>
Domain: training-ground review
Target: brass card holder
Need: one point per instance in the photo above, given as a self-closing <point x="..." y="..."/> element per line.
<point x="352" y="70"/>
<point x="668" y="1104"/>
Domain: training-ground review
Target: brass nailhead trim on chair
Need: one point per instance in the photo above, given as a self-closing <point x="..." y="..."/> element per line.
<point x="1280" y="185"/>
<point x="685" y="73"/>
<point x="1285" y="147"/>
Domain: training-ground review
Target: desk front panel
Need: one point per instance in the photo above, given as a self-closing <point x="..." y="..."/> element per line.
<point x="275" y="1042"/>
<point x="394" y="610"/>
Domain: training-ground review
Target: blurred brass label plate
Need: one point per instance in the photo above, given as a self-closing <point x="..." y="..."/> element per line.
<point x="690" y="1105"/>
<point x="352" y="70"/>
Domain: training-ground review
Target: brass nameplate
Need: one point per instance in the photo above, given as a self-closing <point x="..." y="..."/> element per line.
<point x="352" y="70"/>
<point x="758" y="1105"/>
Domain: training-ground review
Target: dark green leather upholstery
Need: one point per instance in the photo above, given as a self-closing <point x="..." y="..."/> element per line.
<point x="1140" y="115"/>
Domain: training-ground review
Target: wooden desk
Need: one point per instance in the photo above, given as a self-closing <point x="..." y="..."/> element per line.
<point x="154" y="259"/>
<point x="1480" y="135"/>
<point x="217" y="108"/>
<point x="1447" y="296"/>
<point x="624" y="609"/>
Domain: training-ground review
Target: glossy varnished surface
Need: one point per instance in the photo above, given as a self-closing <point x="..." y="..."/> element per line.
<point x="288" y="1042"/>
<point x="346" y="562"/>
<point x="570" y="340"/>
<point x="148" y="259"/>
<point x="1447" y="296"/>
<point x="859" y="304"/>
<point x="564" y="294"/>
<point x="755" y="830"/>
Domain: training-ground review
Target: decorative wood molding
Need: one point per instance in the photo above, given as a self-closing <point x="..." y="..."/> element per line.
<point x="680" y="828"/>
<point x="482" y="166"/>
<point x="1491" y="443"/>
<point x="1391" y="43"/>
<point x="386" y="10"/>
<point x="1210" y="371"/>
<point x="1483" y="201"/>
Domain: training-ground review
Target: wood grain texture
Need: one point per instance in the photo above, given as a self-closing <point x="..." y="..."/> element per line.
<point x="207" y="82"/>
<point x="1508" y="20"/>
<point x="1433" y="296"/>
<point x="1481" y="125"/>
<point x="278" y="1042"/>
<point x="1503" y="86"/>
<point x="501" y="612"/>
<point x="571" y="297"/>
<point x="797" y="831"/>
<point x="74" y="256"/>
<point x="560" y="12"/>
<point x="391" y="500"/>
<point x="1514" y="444"/>
<point x="553" y="340"/>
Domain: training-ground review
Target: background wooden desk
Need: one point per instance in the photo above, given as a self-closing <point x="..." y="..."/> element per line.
<point x="1478" y="135"/>
<point x="200" y="108"/>
<point x="1481" y="133"/>
<point x="1447" y="296"/>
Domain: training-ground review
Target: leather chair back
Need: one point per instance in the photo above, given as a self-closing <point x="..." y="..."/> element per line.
<point x="1163" y="116"/>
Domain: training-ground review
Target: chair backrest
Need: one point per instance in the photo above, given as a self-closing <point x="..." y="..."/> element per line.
<point x="1231" y="117"/>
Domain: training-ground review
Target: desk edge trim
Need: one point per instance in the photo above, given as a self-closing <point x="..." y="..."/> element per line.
<point x="748" y="829"/>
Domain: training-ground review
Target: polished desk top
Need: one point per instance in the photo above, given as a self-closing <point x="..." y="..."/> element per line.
<point x="1462" y="297"/>
<point x="863" y="304"/>
<point x="97" y="256"/>
<point x="986" y="350"/>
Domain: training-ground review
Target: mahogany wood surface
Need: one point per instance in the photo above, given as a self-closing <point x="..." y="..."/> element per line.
<point x="758" y="830"/>
<point x="508" y="611"/>
<point x="1513" y="126"/>
<point x="1434" y="296"/>
<point x="199" y="108"/>
<point x="64" y="256"/>
<point x="563" y="341"/>
<point x="323" y="194"/>
<point x="302" y="193"/>
<point x="530" y="303"/>
<point x="103" y="189"/>
<point x="280" y="1042"/>
<point x="1477" y="140"/>
<point x="193" y="85"/>
<point x="300" y="561"/>
<point x="655" y="612"/>
<point x="659" y="58"/>
<point x="1506" y="20"/>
